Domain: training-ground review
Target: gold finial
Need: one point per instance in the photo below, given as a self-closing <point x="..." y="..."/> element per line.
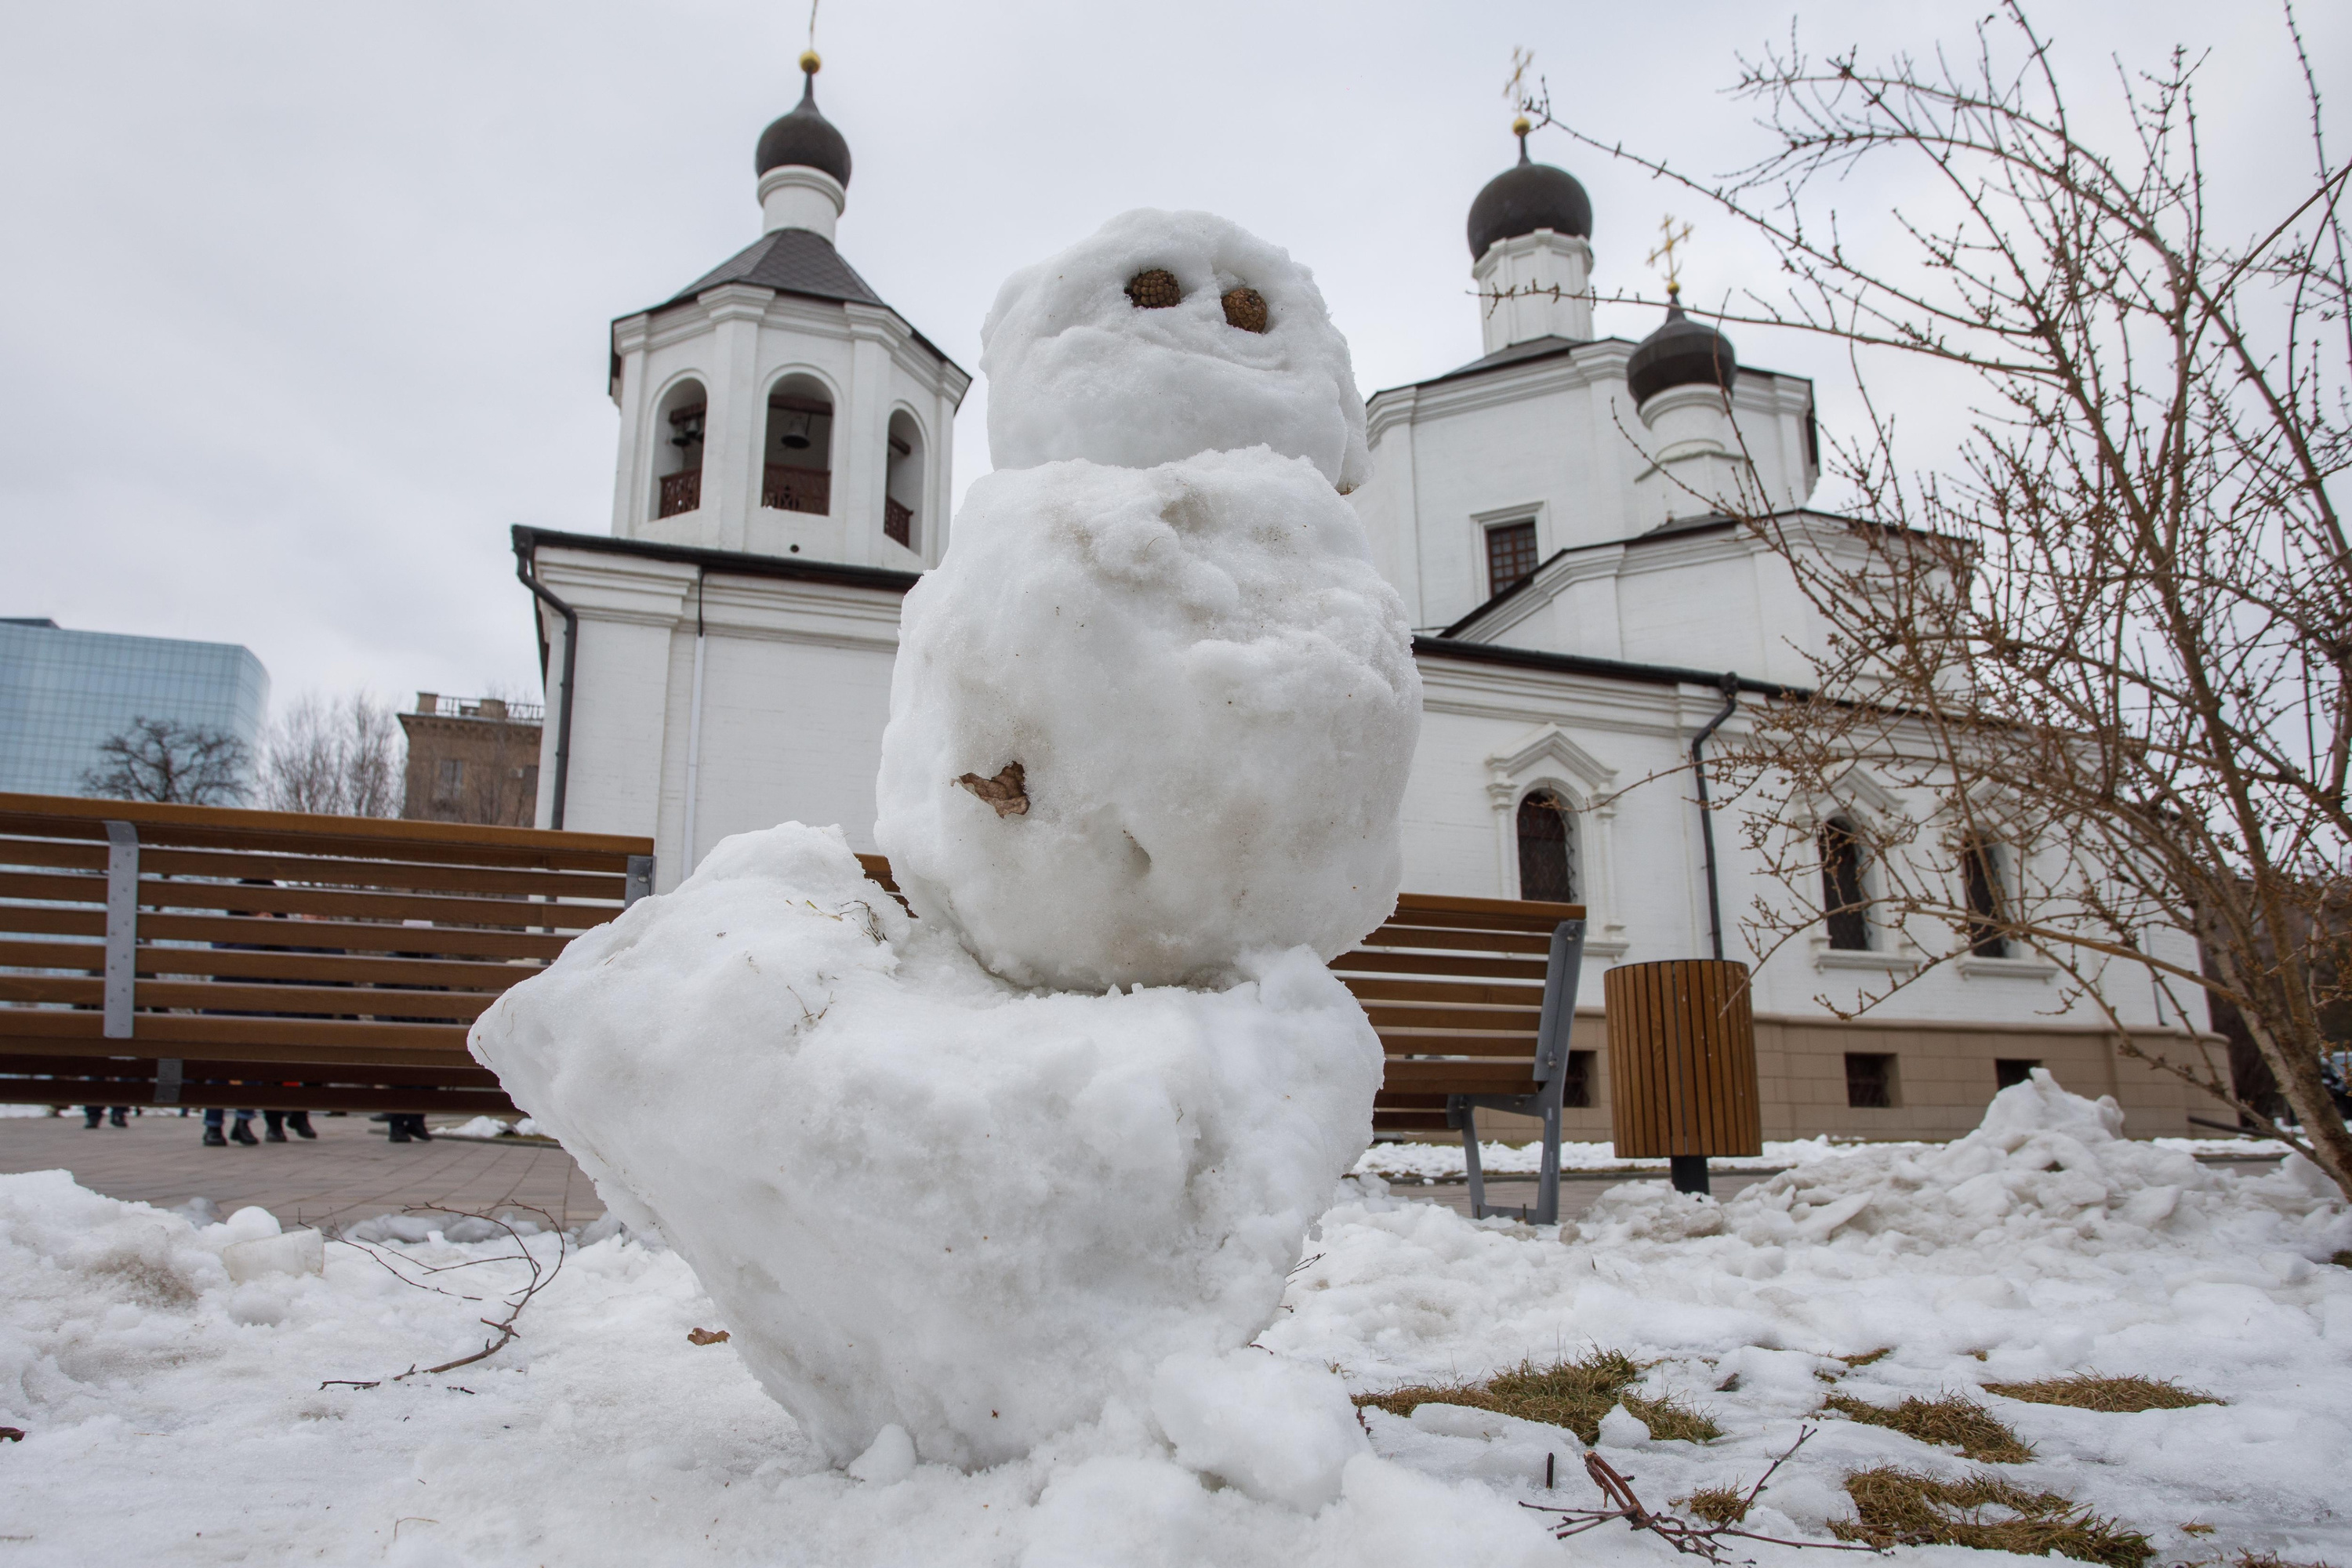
<point x="1521" y="126"/>
<point x="1664" y="254"/>
<point x="809" y="62"/>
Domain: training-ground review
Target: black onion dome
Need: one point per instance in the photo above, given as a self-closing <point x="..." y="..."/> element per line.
<point x="1682" y="352"/>
<point x="806" y="137"/>
<point x="1525" y="198"/>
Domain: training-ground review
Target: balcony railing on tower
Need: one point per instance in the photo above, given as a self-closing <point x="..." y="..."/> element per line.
<point x="681" y="492"/>
<point x="898" y="522"/>
<point x="790" y="488"/>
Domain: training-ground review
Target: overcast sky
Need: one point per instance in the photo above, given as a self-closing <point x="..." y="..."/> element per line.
<point x="304" y="304"/>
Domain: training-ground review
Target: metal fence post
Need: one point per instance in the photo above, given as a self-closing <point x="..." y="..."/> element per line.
<point x="640" y="882"/>
<point x="121" y="927"/>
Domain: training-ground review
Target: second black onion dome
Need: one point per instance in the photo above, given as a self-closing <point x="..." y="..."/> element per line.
<point x="1681" y="352"/>
<point x="806" y="137"/>
<point x="1525" y="198"/>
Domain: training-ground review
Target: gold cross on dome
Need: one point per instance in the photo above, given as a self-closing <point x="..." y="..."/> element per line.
<point x="1663" y="255"/>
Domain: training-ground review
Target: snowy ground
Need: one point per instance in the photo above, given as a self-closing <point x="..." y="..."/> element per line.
<point x="172" y="1412"/>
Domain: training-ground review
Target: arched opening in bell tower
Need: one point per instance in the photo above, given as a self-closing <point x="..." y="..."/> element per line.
<point x="678" y="449"/>
<point x="799" y="447"/>
<point x="902" y="488"/>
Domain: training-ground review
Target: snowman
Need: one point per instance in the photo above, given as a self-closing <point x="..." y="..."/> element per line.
<point x="1039" y="1153"/>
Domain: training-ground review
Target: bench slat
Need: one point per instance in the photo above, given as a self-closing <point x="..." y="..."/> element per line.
<point x="1391" y="936"/>
<point x="1360" y="961"/>
<point x="1463" y="992"/>
<point x="391" y="908"/>
<point x="263" y="1039"/>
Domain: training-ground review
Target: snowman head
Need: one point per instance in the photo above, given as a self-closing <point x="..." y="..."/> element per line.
<point x="1162" y="336"/>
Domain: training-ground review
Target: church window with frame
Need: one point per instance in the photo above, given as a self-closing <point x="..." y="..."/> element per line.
<point x="1510" y="555"/>
<point x="1845" y="908"/>
<point x="1547" y="849"/>
<point x="1980" y="879"/>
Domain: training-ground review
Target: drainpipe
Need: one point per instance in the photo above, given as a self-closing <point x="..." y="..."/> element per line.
<point x="1730" y="685"/>
<point x="525" y="571"/>
<point x="694" y="728"/>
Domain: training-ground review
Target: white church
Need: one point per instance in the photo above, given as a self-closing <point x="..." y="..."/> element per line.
<point x="720" y="660"/>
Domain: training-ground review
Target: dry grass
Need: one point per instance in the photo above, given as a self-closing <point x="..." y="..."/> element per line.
<point x="1716" y="1505"/>
<point x="1572" y="1393"/>
<point x="1852" y="1362"/>
<point x="2116" y="1396"/>
<point x="2252" y="1558"/>
<point x="2342" y="1259"/>
<point x="1903" y="1508"/>
<point x="1951" y="1420"/>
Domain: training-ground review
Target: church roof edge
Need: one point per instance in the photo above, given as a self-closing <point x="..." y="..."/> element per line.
<point x="742" y="564"/>
<point x="1441" y="646"/>
<point x="1537" y="349"/>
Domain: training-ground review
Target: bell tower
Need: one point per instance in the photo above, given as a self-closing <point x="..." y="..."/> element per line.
<point x="776" y="405"/>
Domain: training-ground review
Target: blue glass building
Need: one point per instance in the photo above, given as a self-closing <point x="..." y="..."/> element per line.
<point x="62" y="692"/>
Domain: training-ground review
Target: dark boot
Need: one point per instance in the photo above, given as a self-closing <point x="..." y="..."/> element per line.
<point x="274" y="1127"/>
<point x="243" y="1134"/>
<point x="214" y="1138"/>
<point x="299" y="1123"/>
<point x="91" y="1115"/>
<point x="417" y="1130"/>
<point x="120" y="1116"/>
<point x="398" y="1132"/>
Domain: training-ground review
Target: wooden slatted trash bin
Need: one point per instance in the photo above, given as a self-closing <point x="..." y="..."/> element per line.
<point x="1682" y="1064"/>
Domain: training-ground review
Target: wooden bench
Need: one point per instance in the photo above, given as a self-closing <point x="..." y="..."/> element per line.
<point x="201" y="956"/>
<point x="1472" y="999"/>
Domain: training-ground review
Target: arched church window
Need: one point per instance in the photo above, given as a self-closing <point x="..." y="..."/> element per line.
<point x="1980" y="879"/>
<point x="677" y="449"/>
<point x="902" y="480"/>
<point x="1547" y="849"/>
<point x="1844" y="908"/>
<point x="798" y="475"/>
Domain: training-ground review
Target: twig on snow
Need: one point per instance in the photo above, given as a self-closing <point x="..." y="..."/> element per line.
<point x="503" y="1331"/>
<point x="1692" y="1540"/>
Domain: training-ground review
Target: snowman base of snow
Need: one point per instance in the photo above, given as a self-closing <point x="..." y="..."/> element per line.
<point x="927" y="1199"/>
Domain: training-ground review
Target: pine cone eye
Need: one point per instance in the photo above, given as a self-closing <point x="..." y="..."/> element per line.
<point x="1155" y="290"/>
<point x="1245" y="308"/>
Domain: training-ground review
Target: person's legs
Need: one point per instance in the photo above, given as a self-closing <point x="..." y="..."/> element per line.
<point x="89" y="1116"/>
<point x="242" y="1133"/>
<point x="213" y="1138"/>
<point x="299" y="1123"/>
<point x="120" y="1116"/>
<point x="273" y="1124"/>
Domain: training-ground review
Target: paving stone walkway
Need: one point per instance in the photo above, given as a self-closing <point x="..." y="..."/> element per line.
<point x="349" y="1172"/>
